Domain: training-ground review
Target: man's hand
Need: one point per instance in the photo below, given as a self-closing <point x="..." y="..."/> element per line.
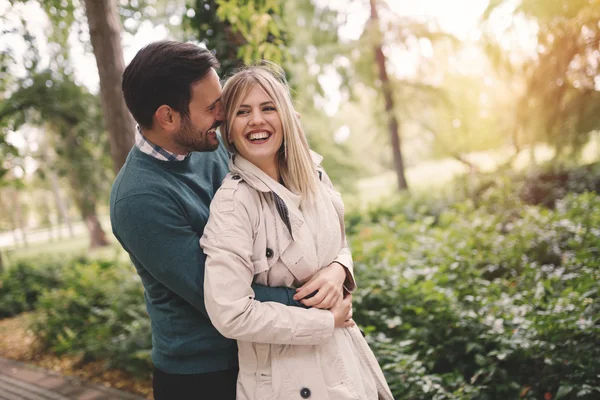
<point x="324" y="289"/>
<point x="342" y="313"/>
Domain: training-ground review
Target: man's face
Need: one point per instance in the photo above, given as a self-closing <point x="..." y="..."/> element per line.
<point x="198" y="131"/>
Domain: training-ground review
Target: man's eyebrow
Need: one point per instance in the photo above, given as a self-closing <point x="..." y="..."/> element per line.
<point x="213" y="103"/>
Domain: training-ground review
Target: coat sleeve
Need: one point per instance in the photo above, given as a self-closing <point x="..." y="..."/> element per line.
<point x="229" y="297"/>
<point x="345" y="256"/>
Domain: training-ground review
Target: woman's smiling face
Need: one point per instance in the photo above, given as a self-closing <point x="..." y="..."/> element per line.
<point x="256" y="130"/>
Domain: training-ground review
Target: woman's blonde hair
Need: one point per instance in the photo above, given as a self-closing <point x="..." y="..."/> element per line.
<point x="295" y="162"/>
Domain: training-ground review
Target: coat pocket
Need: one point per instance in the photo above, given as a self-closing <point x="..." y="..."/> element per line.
<point x="264" y="387"/>
<point x="334" y="369"/>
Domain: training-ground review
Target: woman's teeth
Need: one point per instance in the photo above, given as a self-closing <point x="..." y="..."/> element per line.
<point x="258" y="136"/>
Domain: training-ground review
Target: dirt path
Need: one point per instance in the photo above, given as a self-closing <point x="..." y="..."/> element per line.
<point x="19" y="343"/>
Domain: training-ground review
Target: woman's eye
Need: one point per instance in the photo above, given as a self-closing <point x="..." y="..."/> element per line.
<point x="242" y="112"/>
<point x="269" y="108"/>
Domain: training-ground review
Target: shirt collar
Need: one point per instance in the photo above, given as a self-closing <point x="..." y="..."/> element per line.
<point x="155" y="150"/>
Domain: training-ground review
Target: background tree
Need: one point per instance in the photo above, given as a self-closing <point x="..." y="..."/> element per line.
<point x="104" y="28"/>
<point x="296" y="34"/>
<point x="73" y="117"/>
<point x="105" y="35"/>
<point x="559" y="103"/>
<point x="239" y="32"/>
<point x="395" y="143"/>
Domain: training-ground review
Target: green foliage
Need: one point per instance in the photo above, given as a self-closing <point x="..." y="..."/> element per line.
<point x="7" y="152"/>
<point x="480" y="296"/>
<point x="98" y="312"/>
<point x="92" y="308"/>
<point x="543" y="185"/>
<point x="469" y="303"/>
<point x="239" y="32"/>
<point x="22" y="284"/>
<point x="72" y="115"/>
<point x="260" y="24"/>
<point x="296" y="34"/>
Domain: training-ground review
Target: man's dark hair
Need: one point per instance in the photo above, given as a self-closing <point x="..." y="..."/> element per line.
<point x="163" y="73"/>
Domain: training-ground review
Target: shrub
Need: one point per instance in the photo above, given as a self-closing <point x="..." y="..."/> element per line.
<point x="21" y="285"/>
<point x="487" y="295"/>
<point x="484" y="305"/>
<point x="98" y="312"/>
<point x="543" y="185"/>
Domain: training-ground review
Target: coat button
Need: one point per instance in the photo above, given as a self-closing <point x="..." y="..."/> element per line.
<point x="305" y="393"/>
<point x="235" y="177"/>
<point x="269" y="253"/>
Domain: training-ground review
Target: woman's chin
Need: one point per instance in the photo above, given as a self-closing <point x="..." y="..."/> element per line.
<point x="261" y="158"/>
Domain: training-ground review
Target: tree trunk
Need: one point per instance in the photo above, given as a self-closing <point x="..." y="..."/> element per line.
<point x="14" y="229"/>
<point x="389" y="100"/>
<point x="19" y="217"/>
<point x="86" y="205"/>
<point x="532" y="158"/>
<point x="97" y="236"/>
<point x="47" y="210"/>
<point x="60" y="203"/>
<point x="105" y="35"/>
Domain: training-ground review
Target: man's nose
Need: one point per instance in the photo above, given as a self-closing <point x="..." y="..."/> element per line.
<point x="220" y="112"/>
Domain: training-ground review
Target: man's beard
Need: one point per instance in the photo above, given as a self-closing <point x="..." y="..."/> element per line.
<point x="193" y="139"/>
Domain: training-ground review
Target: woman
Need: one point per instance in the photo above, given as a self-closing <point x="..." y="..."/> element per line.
<point x="277" y="221"/>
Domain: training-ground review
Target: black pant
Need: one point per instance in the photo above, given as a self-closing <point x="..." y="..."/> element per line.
<point x="218" y="385"/>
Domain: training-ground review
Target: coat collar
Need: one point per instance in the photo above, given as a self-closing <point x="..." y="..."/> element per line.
<point x="290" y="212"/>
<point x="262" y="182"/>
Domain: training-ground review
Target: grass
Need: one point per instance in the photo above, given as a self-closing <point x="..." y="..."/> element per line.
<point x="437" y="175"/>
<point x="64" y="248"/>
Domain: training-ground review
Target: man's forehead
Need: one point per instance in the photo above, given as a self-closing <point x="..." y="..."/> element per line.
<point x="208" y="89"/>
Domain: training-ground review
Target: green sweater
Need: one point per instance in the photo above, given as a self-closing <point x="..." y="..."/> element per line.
<point x="158" y="210"/>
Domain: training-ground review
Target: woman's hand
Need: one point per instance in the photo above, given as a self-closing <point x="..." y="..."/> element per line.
<point x="342" y="313"/>
<point x="324" y="289"/>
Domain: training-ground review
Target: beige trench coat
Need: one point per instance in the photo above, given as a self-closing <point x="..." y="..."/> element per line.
<point x="257" y="233"/>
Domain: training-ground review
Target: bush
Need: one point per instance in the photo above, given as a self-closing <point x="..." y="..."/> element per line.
<point x="21" y="285"/>
<point x="474" y="304"/>
<point x="98" y="312"/>
<point x="487" y="295"/>
<point x="544" y="185"/>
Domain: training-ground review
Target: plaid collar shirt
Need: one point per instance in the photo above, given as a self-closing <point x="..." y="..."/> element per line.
<point x="154" y="150"/>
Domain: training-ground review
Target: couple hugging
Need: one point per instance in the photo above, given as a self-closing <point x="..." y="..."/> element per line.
<point x="238" y="238"/>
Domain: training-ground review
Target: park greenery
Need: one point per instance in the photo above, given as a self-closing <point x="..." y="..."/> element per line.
<point x="490" y="293"/>
<point x="477" y="279"/>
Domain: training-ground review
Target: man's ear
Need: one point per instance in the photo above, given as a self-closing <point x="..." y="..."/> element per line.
<point x="167" y="118"/>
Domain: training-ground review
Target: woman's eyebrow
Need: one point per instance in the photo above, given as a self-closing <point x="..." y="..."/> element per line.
<point x="261" y="104"/>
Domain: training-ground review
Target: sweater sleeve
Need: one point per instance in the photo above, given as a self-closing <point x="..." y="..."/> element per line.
<point x="230" y="299"/>
<point x="156" y="232"/>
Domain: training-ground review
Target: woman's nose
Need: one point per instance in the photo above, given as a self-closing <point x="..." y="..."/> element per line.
<point x="256" y="118"/>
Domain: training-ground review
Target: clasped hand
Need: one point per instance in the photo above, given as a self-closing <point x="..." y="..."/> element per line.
<point x="325" y="290"/>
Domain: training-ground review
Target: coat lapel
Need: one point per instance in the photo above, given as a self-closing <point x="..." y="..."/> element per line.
<point x="288" y="219"/>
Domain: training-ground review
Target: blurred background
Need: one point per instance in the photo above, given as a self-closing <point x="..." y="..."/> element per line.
<point x="464" y="136"/>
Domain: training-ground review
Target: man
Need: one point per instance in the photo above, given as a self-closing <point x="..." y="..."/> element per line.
<point x="159" y="206"/>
